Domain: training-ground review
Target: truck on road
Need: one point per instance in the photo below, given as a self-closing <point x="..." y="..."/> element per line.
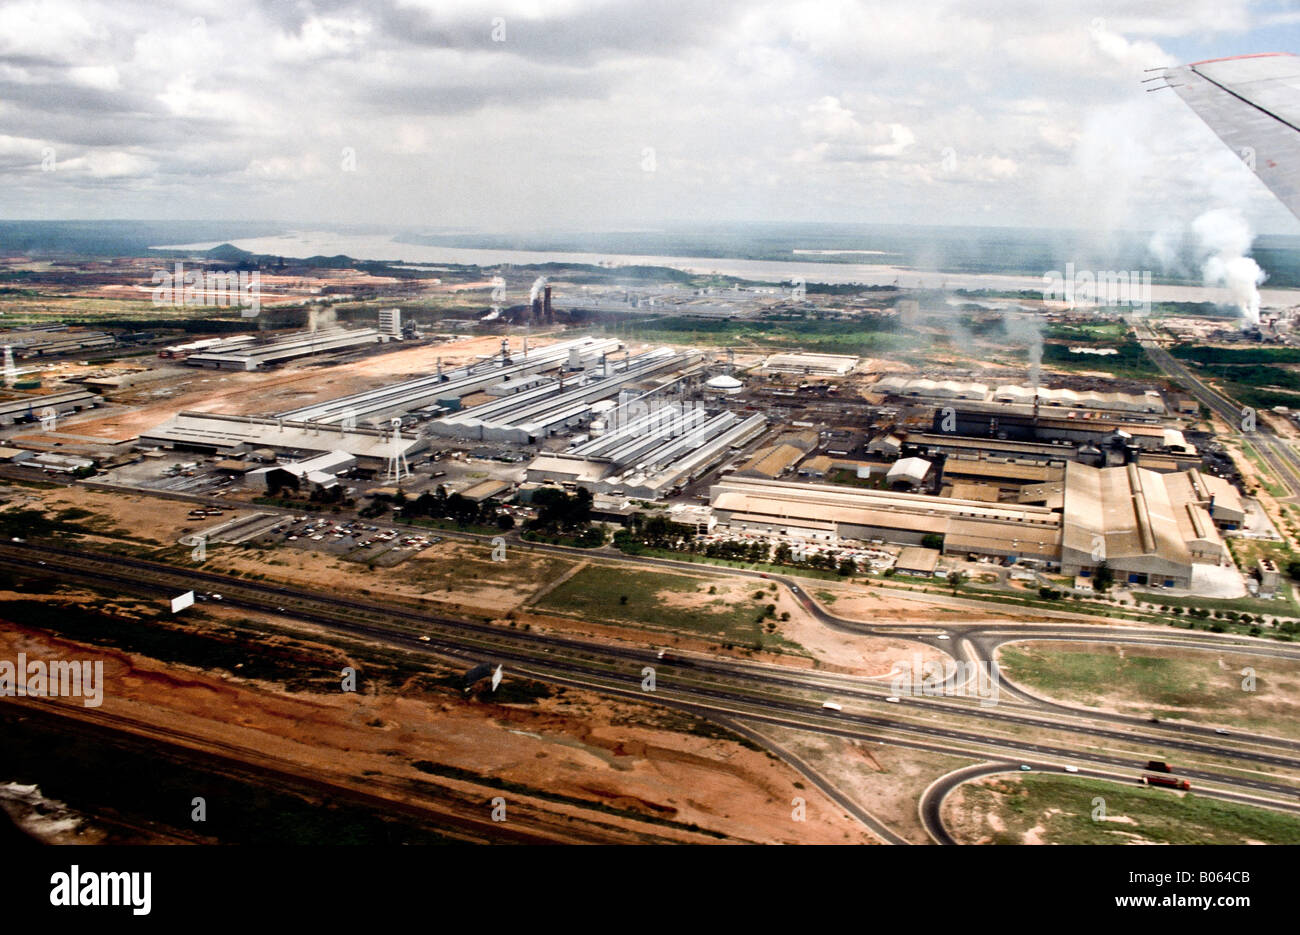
<point x="1169" y="782"/>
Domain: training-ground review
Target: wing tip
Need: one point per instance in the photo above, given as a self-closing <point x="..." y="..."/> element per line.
<point x="1233" y="58"/>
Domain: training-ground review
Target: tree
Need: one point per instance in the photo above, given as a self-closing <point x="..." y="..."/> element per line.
<point x="1103" y="578"/>
<point x="932" y="540"/>
<point x="956" y="579"/>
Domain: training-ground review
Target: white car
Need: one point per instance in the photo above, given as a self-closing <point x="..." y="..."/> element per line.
<point x="943" y="636"/>
<point x="892" y="700"/>
<point x="1071" y="769"/>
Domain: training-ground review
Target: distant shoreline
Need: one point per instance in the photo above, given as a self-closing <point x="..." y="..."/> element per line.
<point x="381" y="248"/>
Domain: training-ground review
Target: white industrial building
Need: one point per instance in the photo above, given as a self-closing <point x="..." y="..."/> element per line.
<point x="649" y="455"/>
<point x="535" y="414"/>
<point x="1147" y="402"/>
<point x="390" y="322"/>
<point x="288" y="347"/>
<point x="911" y="471"/>
<point x="320" y="471"/>
<point x="228" y="434"/>
<point x="35" y="408"/>
<point x="813" y="365"/>
<point x="447" y="388"/>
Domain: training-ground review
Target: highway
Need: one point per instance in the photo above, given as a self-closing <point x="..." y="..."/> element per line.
<point x="736" y="692"/>
<point x="1276" y="452"/>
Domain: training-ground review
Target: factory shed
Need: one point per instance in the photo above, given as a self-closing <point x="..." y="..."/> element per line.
<point x="911" y="471"/>
<point x="915" y="560"/>
<point x="771" y="462"/>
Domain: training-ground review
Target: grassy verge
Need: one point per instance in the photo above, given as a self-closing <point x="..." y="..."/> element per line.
<point x="645" y="599"/>
<point x="1169" y="683"/>
<point x="1060" y="810"/>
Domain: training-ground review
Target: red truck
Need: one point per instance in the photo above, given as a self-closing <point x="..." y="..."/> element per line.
<point x="1167" y="781"/>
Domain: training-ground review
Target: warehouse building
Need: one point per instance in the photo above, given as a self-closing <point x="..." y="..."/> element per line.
<point x="649" y="461"/>
<point x="813" y="365"/>
<point x="286" y="348"/>
<point x="1147" y="402"/>
<point x="1219" y="498"/>
<point x="445" y="389"/>
<point x="916" y="561"/>
<point x="528" y="417"/>
<point x="1149" y="528"/>
<point x="35" y="408"/>
<point x="227" y="435"/>
<point x="321" y="472"/>
<point x="830" y="513"/>
<point x="210" y="345"/>
<point x="895" y="385"/>
<point x="910" y="472"/>
<point x="771" y="462"/>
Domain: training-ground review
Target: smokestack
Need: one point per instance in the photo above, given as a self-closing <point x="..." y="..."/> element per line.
<point x="535" y="311"/>
<point x="546" y="305"/>
<point x="535" y="296"/>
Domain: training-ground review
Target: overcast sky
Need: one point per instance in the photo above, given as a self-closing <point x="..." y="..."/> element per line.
<point x="601" y="115"/>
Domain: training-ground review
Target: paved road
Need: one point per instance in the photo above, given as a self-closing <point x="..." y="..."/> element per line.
<point x="739" y="691"/>
<point x="1276" y="452"/>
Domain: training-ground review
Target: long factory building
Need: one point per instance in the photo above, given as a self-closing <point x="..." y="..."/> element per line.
<point x="359" y="424"/>
<point x="447" y="388"/>
<point x="650" y="454"/>
<point x="554" y="406"/>
<point x="216" y="433"/>
<point x="1150" y="528"/>
<point x="1147" y="402"/>
<point x="34" y="408"/>
<point x="288" y="347"/>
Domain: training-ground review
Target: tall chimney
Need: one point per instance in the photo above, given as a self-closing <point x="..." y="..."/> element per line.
<point x="546" y="305"/>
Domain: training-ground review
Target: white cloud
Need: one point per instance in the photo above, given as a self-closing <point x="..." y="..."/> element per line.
<point x="757" y="109"/>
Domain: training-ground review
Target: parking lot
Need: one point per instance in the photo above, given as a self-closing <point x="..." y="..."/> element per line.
<point x="353" y="540"/>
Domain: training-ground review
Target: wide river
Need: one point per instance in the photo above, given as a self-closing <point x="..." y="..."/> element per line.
<point x="378" y="247"/>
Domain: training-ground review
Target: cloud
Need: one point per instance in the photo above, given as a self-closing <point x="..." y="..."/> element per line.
<point x="1009" y="111"/>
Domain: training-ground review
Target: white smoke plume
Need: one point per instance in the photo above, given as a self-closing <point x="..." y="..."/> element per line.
<point x="1028" y="329"/>
<point x="318" y="318"/>
<point x="535" y="293"/>
<point x="1166" y="248"/>
<point x="1223" y="240"/>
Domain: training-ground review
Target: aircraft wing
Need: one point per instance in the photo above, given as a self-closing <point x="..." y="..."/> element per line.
<point x="1253" y="103"/>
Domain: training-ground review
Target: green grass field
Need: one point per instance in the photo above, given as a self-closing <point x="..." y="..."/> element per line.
<point x="1265" y="475"/>
<point x="1172" y="684"/>
<point x="1060" y="809"/>
<point x="621" y="596"/>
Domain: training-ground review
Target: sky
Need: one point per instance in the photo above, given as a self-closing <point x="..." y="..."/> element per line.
<point x="518" y="115"/>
